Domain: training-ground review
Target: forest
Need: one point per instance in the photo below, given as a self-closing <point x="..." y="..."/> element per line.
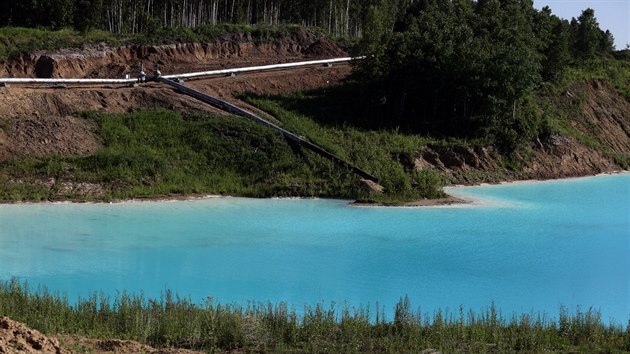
<point x="471" y="68"/>
<point x="338" y="17"/>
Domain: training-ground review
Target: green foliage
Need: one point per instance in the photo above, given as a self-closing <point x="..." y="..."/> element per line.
<point x="340" y="18"/>
<point x="555" y="42"/>
<point x="388" y="155"/>
<point x="206" y="154"/>
<point x="616" y="72"/>
<point x="590" y="40"/>
<point x="16" y="41"/>
<point x="209" y="33"/>
<point x="470" y="68"/>
<point x="174" y="321"/>
<point x="160" y="153"/>
<point x="446" y="64"/>
<point x="378" y="30"/>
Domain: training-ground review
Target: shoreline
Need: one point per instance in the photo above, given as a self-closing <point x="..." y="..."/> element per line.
<point x="527" y="181"/>
<point x="449" y="200"/>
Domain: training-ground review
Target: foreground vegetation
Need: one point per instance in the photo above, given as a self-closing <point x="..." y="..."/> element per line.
<point x="172" y="321"/>
<point x="158" y="152"/>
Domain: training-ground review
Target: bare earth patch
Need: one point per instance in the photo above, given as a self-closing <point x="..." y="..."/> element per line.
<point x="103" y="346"/>
<point x="47" y="135"/>
<point x="18" y="338"/>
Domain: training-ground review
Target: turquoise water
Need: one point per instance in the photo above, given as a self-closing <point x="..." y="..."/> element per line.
<point x="528" y="247"/>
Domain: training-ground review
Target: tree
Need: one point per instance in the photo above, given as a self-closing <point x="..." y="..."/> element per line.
<point x="554" y="40"/>
<point x="607" y="43"/>
<point x="376" y="35"/>
<point x="588" y="37"/>
<point x="455" y="67"/>
<point x="59" y="13"/>
<point x="87" y="14"/>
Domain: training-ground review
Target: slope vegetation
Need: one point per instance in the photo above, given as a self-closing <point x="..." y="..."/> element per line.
<point x="51" y="149"/>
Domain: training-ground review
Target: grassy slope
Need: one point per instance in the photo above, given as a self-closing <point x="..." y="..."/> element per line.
<point x="160" y="153"/>
<point x="559" y="115"/>
<point x="203" y="154"/>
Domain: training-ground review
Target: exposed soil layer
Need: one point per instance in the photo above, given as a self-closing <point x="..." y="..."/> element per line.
<point x="16" y="337"/>
<point x="227" y="52"/>
<point x="40" y="136"/>
<point x="35" y="122"/>
<point x="102" y="346"/>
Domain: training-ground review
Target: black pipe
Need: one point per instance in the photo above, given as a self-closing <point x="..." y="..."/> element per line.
<point x="226" y="106"/>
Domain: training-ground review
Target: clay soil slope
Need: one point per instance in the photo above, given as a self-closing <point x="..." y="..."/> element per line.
<point x="37" y="121"/>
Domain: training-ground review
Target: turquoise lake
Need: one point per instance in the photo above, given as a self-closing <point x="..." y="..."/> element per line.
<point x="527" y="247"/>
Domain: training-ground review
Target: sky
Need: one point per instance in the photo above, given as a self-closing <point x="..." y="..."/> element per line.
<point x="613" y="15"/>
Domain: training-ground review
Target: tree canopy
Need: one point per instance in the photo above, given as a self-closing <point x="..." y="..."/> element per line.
<point x="464" y="67"/>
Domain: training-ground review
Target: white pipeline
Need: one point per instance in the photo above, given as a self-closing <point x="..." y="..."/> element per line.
<point x="258" y="68"/>
<point x="67" y="81"/>
<point x="51" y="81"/>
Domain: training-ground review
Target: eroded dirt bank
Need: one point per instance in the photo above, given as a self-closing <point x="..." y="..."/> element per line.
<point x="229" y="51"/>
<point x="16" y="337"/>
<point x="603" y="118"/>
<point x="41" y="121"/>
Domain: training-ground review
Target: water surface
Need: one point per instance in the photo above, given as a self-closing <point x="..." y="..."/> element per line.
<point x="528" y="247"/>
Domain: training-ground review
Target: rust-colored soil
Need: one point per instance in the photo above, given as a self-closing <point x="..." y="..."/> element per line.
<point x="39" y="136"/>
<point x="604" y="117"/>
<point x="235" y="50"/>
<point x="16" y="337"/>
<point x="117" y="346"/>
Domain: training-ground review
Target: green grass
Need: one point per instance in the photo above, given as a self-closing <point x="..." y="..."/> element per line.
<point x="159" y="152"/>
<point x="264" y="327"/>
<point x="17" y="41"/>
<point x="616" y="72"/>
<point x="162" y="153"/>
<point x="386" y="153"/>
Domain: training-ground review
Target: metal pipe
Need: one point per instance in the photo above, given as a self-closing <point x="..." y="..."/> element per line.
<point x="66" y="81"/>
<point x="258" y="68"/>
<point x="176" y="76"/>
<point x="226" y="106"/>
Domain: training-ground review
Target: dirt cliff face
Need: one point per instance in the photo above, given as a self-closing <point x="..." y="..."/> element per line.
<point x="605" y="115"/>
<point x="603" y="119"/>
<point x="18" y="338"/>
<point x="229" y="51"/>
